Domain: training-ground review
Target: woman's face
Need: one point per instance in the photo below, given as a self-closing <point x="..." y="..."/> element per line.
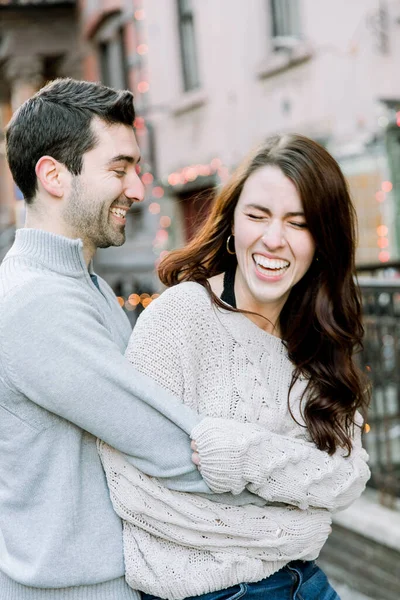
<point x="274" y="247"/>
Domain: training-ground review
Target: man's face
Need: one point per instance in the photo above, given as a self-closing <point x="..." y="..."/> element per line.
<point x="106" y="188"/>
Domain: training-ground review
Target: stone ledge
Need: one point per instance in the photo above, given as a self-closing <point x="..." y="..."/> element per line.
<point x="372" y="520"/>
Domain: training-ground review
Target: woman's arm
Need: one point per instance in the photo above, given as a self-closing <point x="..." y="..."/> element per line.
<point x="277" y="467"/>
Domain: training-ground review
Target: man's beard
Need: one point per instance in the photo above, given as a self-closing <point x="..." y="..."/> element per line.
<point x="89" y="219"/>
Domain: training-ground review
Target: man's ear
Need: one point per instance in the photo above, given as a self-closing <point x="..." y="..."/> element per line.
<point x="49" y="173"/>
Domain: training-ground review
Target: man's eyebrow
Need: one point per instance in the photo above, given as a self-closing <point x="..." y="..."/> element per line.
<point x="124" y="158"/>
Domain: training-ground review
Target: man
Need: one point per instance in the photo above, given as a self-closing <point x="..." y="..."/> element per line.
<point x="63" y="378"/>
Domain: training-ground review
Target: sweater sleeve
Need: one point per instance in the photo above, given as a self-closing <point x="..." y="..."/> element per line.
<point x="279" y="468"/>
<point x="58" y="353"/>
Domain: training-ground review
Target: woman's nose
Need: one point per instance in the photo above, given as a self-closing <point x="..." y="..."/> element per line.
<point x="273" y="236"/>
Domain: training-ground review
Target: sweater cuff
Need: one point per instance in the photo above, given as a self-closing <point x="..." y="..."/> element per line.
<point x="223" y="448"/>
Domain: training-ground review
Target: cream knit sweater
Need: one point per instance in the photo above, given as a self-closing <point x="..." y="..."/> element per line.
<point x="221" y="364"/>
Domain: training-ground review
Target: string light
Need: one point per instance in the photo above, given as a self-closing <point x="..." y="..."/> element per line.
<point x="147" y="178"/>
<point x="165" y="221"/>
<point x="139" y="15"/>
<point x="158" y="191"/>
<point x="384" y="256"/>
<point x="387" y="186"/>
<point x="382" y="230"/>
<point x="143" y="87"/>
<point x="154" y="208"/>
<point x="142" y="49"/>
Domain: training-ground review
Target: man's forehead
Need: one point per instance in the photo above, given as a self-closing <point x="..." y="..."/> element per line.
<point x="114" y="139"/>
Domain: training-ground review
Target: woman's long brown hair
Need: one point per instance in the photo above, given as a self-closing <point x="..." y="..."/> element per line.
<point x="321" y="320"/>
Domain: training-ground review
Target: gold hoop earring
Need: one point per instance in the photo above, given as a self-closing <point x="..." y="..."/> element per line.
<point x="229" y="251"/>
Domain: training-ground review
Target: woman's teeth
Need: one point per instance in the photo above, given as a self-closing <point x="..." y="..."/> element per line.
<point x="271" y="264"/>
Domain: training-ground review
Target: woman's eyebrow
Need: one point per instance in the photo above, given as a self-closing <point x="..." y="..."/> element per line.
<point x="267" y="211"/>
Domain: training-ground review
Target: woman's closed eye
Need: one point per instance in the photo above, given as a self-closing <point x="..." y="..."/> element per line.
<point x="119" y="173"/>
<point x="300" y="225"/>
<point x="256" y="217"/>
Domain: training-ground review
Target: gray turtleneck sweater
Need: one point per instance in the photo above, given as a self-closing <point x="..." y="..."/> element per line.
<point x="64" y="382"/>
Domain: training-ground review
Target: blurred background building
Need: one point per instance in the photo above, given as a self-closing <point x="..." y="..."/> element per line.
<point x="211" y="79"/>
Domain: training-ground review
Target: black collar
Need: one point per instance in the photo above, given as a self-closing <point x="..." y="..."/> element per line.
<point x="228" y="294"/>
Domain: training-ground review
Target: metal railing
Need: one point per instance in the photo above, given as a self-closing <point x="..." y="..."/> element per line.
<point x="381" y="359"/>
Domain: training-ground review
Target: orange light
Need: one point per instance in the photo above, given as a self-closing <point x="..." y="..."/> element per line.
<point x="134" y="299"/>
<point x="367" y="428"/>
<point x="383" y="242"/>
<point x="387" y="186"/>
<point x="382" y="230"/>
<point x="380" y="196"/>
<point x="139" y="15"/>
<point x="384" y="256"/>
<point x="147" y="178"/>
<point x="368" y="368"/>
<point x="154" y="208"/>
<point x="144" y="296"/>
<point x="121" y="301"/>
<point x="142" y="49"/>
<point x="158" y="192"/>
<point x="165" y="221"/>
<point x="146" y="302"/>
<point x="143" y="87"/>
<point x="398" y="119"/>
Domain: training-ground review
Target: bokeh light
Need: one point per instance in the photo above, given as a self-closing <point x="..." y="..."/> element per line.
<point x="165" y="221"/>
<point x="143" y="87"/>
<point x="147" y="178"/>
<point x="158" y="191"/>
<point x="387" y="186"/>
<point x="382" y="230"/>
<point x="384" y="256"/>
<point x="154" y="208"/>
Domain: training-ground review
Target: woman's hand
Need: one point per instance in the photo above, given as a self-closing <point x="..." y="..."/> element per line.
<point x="195" y="455"/>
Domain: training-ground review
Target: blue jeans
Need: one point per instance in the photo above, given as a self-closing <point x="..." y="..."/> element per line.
<point x="297" y="581"/>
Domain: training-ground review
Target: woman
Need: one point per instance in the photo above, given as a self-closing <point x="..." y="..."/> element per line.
<point x="259" y="325"/>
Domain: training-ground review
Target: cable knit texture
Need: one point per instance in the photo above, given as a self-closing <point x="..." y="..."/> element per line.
<point x="220" y="363"/>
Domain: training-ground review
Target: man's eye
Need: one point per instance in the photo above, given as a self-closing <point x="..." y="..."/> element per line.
<point x="120" y="173"/>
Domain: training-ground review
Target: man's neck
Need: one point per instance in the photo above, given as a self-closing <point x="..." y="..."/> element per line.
<point x="58" y="229"/>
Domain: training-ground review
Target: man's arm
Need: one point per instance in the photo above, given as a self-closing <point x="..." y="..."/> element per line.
<point x="279" y="468"/>
<point x="57" y="352"/>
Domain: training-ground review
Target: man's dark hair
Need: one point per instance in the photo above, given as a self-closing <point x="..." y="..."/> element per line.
<point x="56" y="122"/>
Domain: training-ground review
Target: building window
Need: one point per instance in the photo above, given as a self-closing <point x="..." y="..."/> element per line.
<point x="188" y="45"/>
<point x="112" y="53"/>
<point x="113" y="61"/>
<point x="285" y="23"/>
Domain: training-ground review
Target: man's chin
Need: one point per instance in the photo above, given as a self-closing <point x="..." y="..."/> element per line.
<point x="114" y="242"/>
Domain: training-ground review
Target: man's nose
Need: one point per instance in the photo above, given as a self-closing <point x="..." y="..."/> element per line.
<point x="134" y="189"/>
